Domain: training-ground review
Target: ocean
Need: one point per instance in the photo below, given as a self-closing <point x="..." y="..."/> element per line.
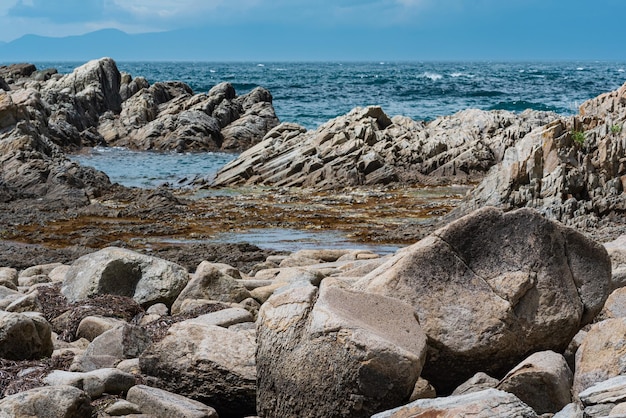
<point x="311" y="93"/>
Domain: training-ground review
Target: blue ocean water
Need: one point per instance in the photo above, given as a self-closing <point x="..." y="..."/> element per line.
<point x="310" y="93"/>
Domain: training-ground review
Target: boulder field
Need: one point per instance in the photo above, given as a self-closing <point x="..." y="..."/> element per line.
<point x="506" y="309"/>
<point x="497" y="314"/>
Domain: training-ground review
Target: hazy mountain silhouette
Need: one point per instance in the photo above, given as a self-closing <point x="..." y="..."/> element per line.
<point x="232" y="43"/>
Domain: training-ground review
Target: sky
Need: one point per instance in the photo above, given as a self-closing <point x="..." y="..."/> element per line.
<point x="397" y="29"/>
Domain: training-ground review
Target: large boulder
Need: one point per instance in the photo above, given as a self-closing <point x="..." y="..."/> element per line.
<point x="335" y="352"/>
<point x="365" y="146"/>
<point x="24" y="336"/>
<point x="164" y="404"/>
<point x="490" y="403"/>
<point x="493" y="287"/>
<point x="117" y="271"/>
<point x="49" y="402"/>
<point x="206" y="363"/>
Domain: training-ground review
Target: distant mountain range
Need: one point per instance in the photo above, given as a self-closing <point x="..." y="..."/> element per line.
<point x="233" y="43"/>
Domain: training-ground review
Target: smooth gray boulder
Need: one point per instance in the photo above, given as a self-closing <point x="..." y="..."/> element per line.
<point x="94" y="383"/>
<point x="24" y="336"/>
<point x="543" y="381"/>
<point x="489" y="403"/>
<point x="48" y="402"/>
<point x="117" y="271"/>
<point x="493" y="286"/>
<point x="209" y="282"/>
<point x="206" y="363"/>
<point x="164" y="404"/>
<point x="335" y="352"/>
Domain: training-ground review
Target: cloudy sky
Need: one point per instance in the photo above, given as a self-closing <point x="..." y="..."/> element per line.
<point x="414" y="29"/>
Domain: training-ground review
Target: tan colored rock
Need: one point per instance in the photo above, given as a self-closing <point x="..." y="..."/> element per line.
<point x="207" y="363"/>
<point x="489" y="403"/>
<point x="493" y="286"/>
<point x="602" y="354"/>
<point x="542" y="381"/>
<point x="91" y="327"/>
<point x="209" y="282"/>
<point x="422" y="390"/>
<point x="359" y="353"/>
<point x="53" y="402"/>
<point x="615" y="306"/>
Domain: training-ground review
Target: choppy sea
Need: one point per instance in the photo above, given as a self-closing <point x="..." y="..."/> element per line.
<point x="310" y="93"/>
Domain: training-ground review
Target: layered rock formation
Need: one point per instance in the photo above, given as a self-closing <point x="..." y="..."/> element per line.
<point x="43" y="113"/>
<point x="366" y="147"/>
<point x="571" y="169"/>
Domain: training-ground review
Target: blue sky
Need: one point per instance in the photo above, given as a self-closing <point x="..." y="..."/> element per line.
<point x="395" y="29"/>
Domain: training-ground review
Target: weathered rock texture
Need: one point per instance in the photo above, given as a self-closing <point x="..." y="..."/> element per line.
<point x="117" y="271"/>
<point x="575" y="181"/>
<point x="492" y="287"/>
<point x="207" y="363"/>
<point x="367" y="147"/>
<point x="44" y="113"/>
<point x="168" y="116"/>
<point x="490" y="403"/>
<point x="335" y="352"/>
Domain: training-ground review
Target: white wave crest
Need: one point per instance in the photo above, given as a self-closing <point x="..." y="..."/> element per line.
<point x="431" y="76"/>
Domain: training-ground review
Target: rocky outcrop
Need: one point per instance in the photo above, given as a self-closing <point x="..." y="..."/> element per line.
<point x="571" y="169"/>
<point x="367" y="147"/>
<point x="335" y="352"/>
<point x="168" y="116"/>
<point x="493" y="287"/>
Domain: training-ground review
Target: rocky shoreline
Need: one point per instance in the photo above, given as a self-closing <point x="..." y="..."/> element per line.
<point x="516" y="311"/>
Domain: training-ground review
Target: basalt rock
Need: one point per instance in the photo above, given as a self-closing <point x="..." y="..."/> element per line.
<point x="168" y="116"/>
<point x="367" y="147"/>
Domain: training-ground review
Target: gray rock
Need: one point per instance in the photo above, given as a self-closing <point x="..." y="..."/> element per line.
<point x="572" y="410"/>
<point x="94" y="383"/>
<point x="335" y="352"/>
<point x="24" y="336"/>
<point x="161" y="403"/>
<point x="366" y="147"/>
<point x="575" y="183"/>
<point x="8" y="276"/>
<point x="493" y="286"/>
<point x="612" y="390"/>
<point x="489" y="403"/>
<point x="207" y="363"/>
<point x="209" y="282"/>
<point x="224" y="318"/>
<point x="123" y="342"/>
<point x="148" y="280"/>
<point x="480" y="381"/>
<point x="49" y="402"/>
<point x="543" y="381"/>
